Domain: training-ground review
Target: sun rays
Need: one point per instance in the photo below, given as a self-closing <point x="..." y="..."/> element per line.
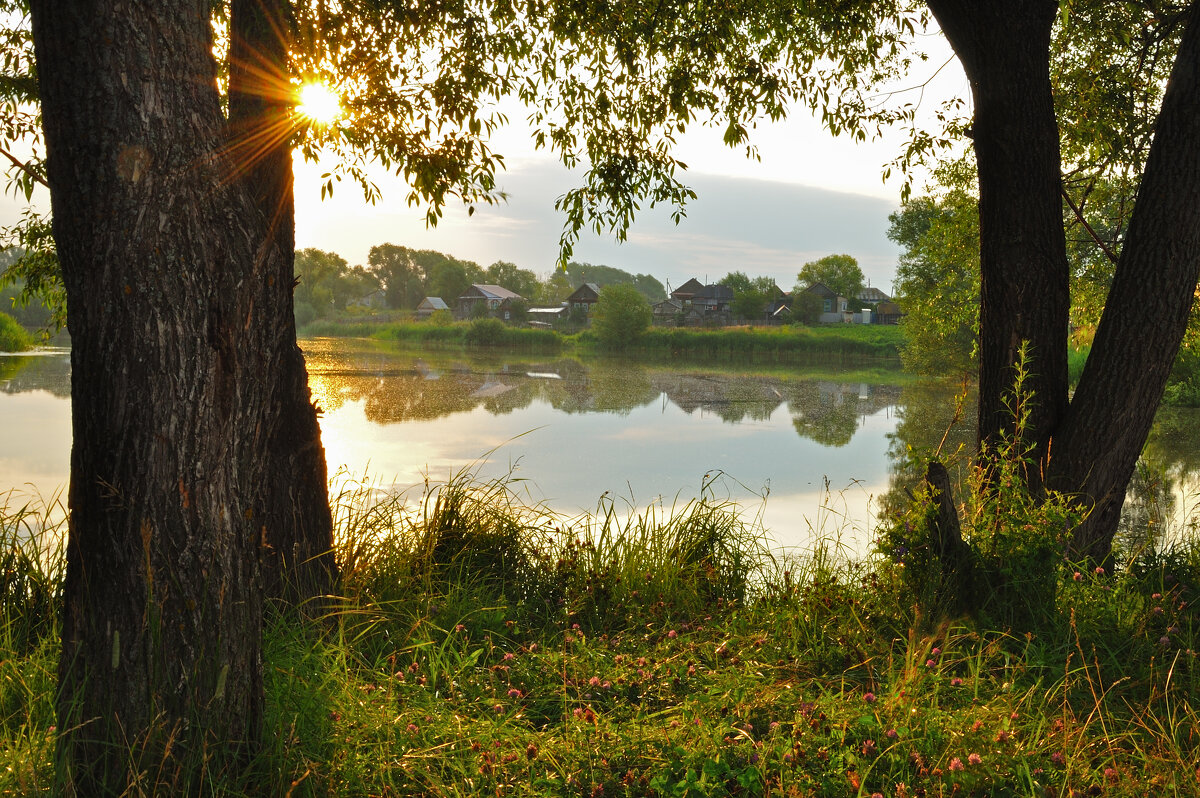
<point x="318" y="103"/>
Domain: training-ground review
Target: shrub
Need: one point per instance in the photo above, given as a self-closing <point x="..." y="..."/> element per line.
<point x="485" y="332"/>
<point x="621" y="316"/>
<point x="13" y="337"/>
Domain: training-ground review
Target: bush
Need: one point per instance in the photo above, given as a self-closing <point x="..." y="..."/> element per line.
<point x="13" y="337"/>
<point x="621" y="316"/>
<point x="305" y="314"/>
<point x="485" y="332"/>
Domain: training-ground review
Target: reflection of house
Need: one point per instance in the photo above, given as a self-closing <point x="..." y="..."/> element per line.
<point x="584" y="297"/>
<point x="429" y="305"/>
<point x="492" y="297"/>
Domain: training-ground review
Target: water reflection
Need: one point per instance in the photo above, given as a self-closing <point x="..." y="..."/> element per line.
<point x="645" y="433"/>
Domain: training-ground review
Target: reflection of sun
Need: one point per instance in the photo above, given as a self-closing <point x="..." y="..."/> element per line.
<point x="319" y="103"/>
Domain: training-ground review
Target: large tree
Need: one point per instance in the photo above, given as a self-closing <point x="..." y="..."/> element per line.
<point x="1086" y="444"/>
<point x="197" y="473"/>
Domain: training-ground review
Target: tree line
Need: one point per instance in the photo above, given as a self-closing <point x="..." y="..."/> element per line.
<point x="326" y="283"/>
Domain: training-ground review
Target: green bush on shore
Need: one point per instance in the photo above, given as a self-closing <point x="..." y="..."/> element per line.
<point x="13" y="337"/>
<point x="486" y="645"/>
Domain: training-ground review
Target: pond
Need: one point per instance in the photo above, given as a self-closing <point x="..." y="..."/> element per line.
<point x="815" y="455"/>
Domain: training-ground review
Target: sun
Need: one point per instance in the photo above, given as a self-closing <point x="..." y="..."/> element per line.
<point x="319" y="103"/>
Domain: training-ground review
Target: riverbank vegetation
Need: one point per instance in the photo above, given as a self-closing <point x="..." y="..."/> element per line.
<point x="845" y="342"/>
<point x="13" y="337"/>
<point x="479" y="644"/>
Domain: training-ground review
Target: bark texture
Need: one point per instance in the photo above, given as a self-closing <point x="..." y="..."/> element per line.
<point x="166" y="283"/>
<point x="298" y="563"/>
<point x="1025" y="295"/>
<point x="1145" y="317"/>
<point x="1089" y="447"/>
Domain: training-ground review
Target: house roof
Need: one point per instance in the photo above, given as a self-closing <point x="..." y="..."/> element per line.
<point x="820" y="289"/>
<point x="690" y="288"/>
<point x="489" y="292"/>
<point x="717" y="292"/>
<point x="585" y="291"/>
<point x="434" y="302"/>
<point x="872" y="294"/>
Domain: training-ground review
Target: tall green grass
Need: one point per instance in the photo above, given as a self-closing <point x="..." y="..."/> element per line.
<point x="482" y="644"/>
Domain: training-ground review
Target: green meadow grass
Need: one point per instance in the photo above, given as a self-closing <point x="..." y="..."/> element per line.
<point x="484" y="645"/>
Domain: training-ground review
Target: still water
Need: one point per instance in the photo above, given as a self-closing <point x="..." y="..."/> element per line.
<point x="816" y="456"/>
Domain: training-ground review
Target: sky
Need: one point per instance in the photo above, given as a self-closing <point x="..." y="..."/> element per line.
<point x="810" y="196"/>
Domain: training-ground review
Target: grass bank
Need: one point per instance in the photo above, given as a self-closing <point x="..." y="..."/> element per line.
<point x="483" y="646"/>
<point x="845" y="344"/>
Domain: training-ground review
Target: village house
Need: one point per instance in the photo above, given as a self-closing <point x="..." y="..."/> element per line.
<point x="429" y="305"/>
<point x="492" y="297"/>
<point x="584" y="298"/>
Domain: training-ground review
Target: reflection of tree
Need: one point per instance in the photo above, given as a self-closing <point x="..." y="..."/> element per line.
<point x="828" y="412"/>
<point x="1149" y="507"/>
<point x="733" y="398"/>
<point x="21" y="373"/>
<point x="926" y="412"/>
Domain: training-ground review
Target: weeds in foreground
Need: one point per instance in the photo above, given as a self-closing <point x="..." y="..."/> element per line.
<point x="485" y="646"/>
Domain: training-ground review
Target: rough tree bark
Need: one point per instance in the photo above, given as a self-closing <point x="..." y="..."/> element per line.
<point x="1024" y="277"/>
<point x="298" y="563"/>
<point x="1089" y="447"/>
<point x="1097" y="446"/>
<point x="167" y="283"/>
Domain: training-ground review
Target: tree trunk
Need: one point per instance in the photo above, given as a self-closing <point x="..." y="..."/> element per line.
<point x="1025" y="297"/>
<point x="1145" y="317"/>
<point x="1088" y="449"/>
<point x="298" y="563"/>
<point x="166" y="283"/>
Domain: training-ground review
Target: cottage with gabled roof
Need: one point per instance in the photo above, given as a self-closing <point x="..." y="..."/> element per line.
<point x="686" y="292"/>
<point x="493" y="297"/>
<point x="584" y="298"/>
<point x="429" y="305"/>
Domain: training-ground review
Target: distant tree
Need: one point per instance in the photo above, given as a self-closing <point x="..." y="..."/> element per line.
<point x="400" y="274"/>
<point x="555" y="288"/>
<point x="750" y="294"/>
<point x="839" y="273"/>
<point x="446" y="277"/>
<point x="508" y="275"/>
<point x="937" y="281"/>
<point x="806" y="307"/>
<point x="316" y="272"/>
<point x="518" y="311"/>
<point x="650" y="287"/>
<point x="621" y="315"/>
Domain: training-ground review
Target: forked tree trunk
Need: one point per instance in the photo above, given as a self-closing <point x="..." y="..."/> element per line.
<point x="166" y="286"/>
<point x="1089" y="448"/>
<point x="298" y="563"/>
<point x="1097" y="446"/>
